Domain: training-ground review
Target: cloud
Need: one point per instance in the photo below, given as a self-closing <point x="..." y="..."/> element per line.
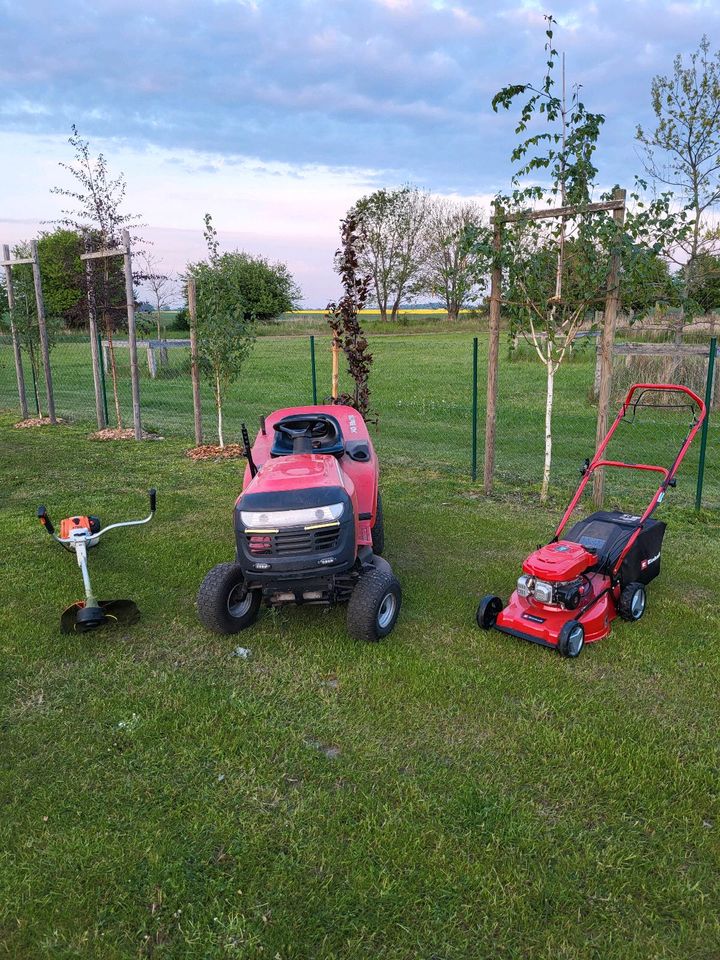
<point x="206" y="101"/>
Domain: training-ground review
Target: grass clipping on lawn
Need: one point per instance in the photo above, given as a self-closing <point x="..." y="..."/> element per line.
<point x="211" y="451"/>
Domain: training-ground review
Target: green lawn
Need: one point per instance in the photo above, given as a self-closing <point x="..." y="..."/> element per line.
<point x="483" y="797"/>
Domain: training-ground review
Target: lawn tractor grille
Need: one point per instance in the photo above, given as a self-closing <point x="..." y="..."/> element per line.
<point x="292" y="542"/>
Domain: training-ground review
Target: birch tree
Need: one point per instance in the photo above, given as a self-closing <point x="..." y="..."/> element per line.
<point x="557" y="268"/>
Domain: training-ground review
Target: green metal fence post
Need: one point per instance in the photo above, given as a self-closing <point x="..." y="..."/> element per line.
<point x="101" y="358"/>
<point x="312" y="367"/>
<point x="704" y="428"/>
<point x="473" y="471"/>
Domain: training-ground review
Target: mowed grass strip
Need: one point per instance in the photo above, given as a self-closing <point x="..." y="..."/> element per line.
<point x="446" y="793"/>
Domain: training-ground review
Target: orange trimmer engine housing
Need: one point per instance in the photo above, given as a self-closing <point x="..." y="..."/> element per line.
<point x="71" y="525"/>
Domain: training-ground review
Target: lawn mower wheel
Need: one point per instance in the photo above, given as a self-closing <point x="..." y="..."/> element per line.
<point x="571" y="640"/>
<point x="487" y="611"/>
<point x="631" y="605"/>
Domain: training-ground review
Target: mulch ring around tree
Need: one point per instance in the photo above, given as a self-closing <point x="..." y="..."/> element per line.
<point x="126" y="433"/>
<point x="36" y="422"/>
<point x="210" y="451"/>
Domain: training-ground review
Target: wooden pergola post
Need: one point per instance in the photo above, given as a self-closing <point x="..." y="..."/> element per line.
<point x="19" y="374"/>
<point x="493" y="354"/>
<point x="194" y="368"/>
<point x="42" y="329"/>
<point x="132" y="339"/>
<point x="94" y="349"/>
<point x="335" y="367"/>
<point x="607" y="339"/>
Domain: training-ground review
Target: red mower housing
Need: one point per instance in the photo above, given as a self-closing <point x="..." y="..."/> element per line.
<point x="308" y="525"/>
<point x="573" y="588"/>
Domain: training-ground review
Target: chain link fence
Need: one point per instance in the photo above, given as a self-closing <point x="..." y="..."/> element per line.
<point x="422" y="401"/>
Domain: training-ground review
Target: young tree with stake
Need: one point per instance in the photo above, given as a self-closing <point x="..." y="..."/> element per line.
<point x="224" y="328"/>
<point x="96" y="213"/>
<point x="558" y="267"/>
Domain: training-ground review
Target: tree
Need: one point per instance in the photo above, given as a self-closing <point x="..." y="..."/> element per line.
<point x="159" y="284"/>
<point x="267" y="289"/>
<point x="452" y="268"/>
<point x="392" y="224"/>
<point x="224" y="326"/>
<point x="342" y="316"/>
<point x="558" y="267"/>
<point x="25" y="318"/>
<point x="96" y="213"/>
<point x="683" y="151"/>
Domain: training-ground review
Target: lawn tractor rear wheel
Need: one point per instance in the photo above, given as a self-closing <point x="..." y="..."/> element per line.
<point x="375" y="604"/>
<point x="631" y="605"/>
<point x="378" y="531"/>
<point x="571" y="640"/>
<point x="224" y="604"/>
<point x="488" y="611"/>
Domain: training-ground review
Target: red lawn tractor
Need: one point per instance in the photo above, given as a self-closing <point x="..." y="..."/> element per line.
<point x="308" y="526"/>
<point x="572" y="589"/>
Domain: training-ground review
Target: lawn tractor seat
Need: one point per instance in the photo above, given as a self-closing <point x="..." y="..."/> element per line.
<point x="607" y="532"/>
<point x="308" y="433"/>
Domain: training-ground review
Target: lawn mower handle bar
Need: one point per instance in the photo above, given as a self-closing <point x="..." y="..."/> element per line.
<point x="668" y="473"/>
<point x="46" y="522"/>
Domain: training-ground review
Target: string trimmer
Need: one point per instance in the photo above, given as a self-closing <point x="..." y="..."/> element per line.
<point x="78" y="535"/>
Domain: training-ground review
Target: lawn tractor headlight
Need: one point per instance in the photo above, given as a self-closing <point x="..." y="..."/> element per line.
<point x="525" y="586"/>
<point x="277" y="519"/>
<point x="543" y="592"/>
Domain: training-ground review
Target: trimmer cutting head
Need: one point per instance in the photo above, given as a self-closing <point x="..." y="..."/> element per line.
<point x="81" y="618"/>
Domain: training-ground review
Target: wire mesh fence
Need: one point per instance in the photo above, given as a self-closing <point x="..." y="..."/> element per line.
<point x="422" y="400"/>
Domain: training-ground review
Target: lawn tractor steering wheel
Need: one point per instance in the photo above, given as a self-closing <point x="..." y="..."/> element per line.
<point x="309" y="432"/>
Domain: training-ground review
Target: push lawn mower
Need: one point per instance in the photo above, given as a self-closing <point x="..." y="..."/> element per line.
<point x="572" y="589"/>
<point x="78" y="535"/>
<point x="308" y="526"/>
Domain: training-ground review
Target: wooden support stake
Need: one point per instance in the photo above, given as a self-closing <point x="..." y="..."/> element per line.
<point x="194" y="367"/>
<point x="335" y="367"/>
<point x="130" y="298"/>
<point x="94" y="350"/>
<point x="42" y="328"/>
<point x="19" y="374"/>
<point x="493" y="355"/>
<point x="152" y="366"/>
<point x="612" y="301"/>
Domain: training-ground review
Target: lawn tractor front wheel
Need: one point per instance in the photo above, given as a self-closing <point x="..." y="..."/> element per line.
<point x="631" y="605"/>
<point x="375" y="604"/>
<point x="487" y="612"/>
<point x="571" y="640"/>
<point x="224" y="604"/>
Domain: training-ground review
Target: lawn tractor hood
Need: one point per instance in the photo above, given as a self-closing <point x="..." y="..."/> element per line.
<point x="296" y="516"/>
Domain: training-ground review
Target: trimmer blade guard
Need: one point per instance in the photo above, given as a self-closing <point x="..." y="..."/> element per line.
<point x="78" y="618"/>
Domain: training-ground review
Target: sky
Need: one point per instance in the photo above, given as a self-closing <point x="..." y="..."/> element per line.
<point x="277" y="115"/>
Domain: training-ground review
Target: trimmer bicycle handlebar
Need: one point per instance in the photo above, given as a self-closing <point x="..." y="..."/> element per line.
<point x="47" y="523"/>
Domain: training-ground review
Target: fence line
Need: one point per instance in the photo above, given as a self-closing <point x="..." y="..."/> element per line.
<point x="426" y="390"/>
